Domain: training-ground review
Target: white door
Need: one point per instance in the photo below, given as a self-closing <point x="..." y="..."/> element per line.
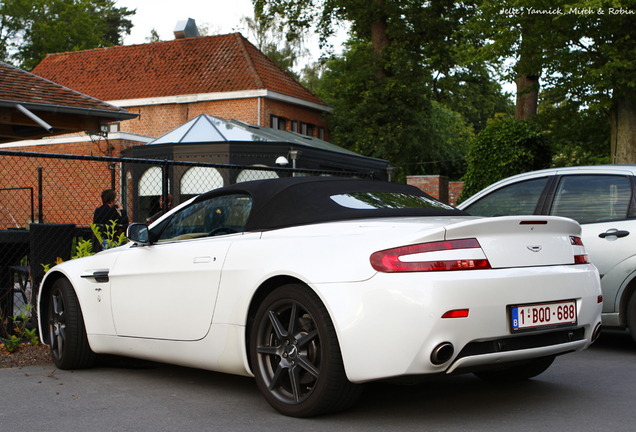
<point x="168" y="290"/>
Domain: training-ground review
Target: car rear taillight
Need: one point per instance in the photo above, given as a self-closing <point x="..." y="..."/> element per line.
<point x="465" y="254"/>
<point x="580" y="257"/>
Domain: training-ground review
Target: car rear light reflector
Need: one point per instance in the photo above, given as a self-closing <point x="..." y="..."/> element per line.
<point x="599" y="299"/>
<point x="537" y="222"/>
<point x="576" y="241"/>
<point x="444" y="256"/>
<point x="457" y="313"/>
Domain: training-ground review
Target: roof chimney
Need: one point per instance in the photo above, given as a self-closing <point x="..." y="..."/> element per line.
<point x="186" y="28"/>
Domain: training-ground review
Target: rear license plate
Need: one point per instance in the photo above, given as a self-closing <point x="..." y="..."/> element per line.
<point x="534" y="316"/>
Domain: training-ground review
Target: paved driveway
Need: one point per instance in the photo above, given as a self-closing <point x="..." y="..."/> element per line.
<point x="588" y="391"/>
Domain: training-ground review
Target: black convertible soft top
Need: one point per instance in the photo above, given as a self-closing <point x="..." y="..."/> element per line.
<point x="293" y="201"/>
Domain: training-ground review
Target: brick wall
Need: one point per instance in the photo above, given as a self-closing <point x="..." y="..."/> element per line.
<point x="438" y="187"/>
<point x="454" y="190"/>
<point x="293" y="112"/>
<point x="156" y="120"/>
<point x="69" y="187"/>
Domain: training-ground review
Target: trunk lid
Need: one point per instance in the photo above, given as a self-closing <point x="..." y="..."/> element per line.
<point x="522" y="241"/>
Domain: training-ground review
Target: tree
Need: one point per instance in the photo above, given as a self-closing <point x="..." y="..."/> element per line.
<point x="283" y="49"/>
<point x="311" y="74"/>
<point x="578" y="135"/>
<point x="12" y="21"/>
<point x="511" y="30"/>
<point x="585" y="49"/>
<point x="154" y="36"/>
<point x="422" y="29"/>
<point x="382" y="86"/>
<point x="392" y="118"/>
<point x="383" y="118"/>
<point x="596" y="66"/>
<point x="38" y="27"/>
<point x="469" y="89"/>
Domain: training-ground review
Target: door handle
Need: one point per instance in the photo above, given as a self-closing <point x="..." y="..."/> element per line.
<point x="203" y="260"/>
<point x="619" y="233"/>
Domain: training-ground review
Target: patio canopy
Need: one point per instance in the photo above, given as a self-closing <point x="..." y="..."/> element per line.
<point x="207" y="138"/>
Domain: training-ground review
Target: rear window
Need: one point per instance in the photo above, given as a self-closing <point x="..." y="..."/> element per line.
<point x="386" y="200"/>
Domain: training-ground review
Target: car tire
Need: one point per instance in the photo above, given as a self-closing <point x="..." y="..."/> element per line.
<point x="67" y="333"/>
<point x="296" y="357"/>
<point x="518" y="372"/>
<point x="631" y="316"/>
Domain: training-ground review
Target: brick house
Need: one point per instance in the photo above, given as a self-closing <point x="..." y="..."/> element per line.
<point x="171" y="82"/>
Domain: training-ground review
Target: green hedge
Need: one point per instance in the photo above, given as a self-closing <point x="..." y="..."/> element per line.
<point x="504" y="148"/>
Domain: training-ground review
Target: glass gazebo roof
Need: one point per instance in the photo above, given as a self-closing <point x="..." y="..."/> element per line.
<point x="209" y="129"/>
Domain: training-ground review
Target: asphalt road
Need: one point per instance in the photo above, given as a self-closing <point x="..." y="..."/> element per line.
<point x="589" y="391"/>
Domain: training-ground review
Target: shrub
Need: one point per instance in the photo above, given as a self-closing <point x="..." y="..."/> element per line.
<point x="504" y="148"/>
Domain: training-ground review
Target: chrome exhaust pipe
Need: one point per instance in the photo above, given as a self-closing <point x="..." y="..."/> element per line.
<point x="597" y="332"/>
<point x="442" y="353"/>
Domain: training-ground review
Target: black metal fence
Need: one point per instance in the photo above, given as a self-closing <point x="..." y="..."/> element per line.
<point x="47" y="202"/>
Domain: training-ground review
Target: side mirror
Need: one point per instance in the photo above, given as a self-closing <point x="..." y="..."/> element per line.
<point x="138" y="234"/>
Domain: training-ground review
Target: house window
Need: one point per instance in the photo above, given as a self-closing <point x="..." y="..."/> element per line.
<point x="306" y="129"/>
<point x="276" y="122"/>
<point x="321" y="133"/>
<point x="110" y="127"/>
<point x="294" y="126"/>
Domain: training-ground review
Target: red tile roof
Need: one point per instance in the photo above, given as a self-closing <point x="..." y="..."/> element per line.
<point x="223" y="63"/>
<point x="26" y="88"/>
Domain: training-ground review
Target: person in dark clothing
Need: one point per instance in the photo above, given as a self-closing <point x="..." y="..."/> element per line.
<point x="161" y="211"/>
<point x="109" y="211"/>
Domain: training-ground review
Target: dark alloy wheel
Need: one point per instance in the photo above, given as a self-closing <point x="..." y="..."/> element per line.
<point x="518" y="372"/>
<point x="296" y="357"/>
<point x="67" y="334"/>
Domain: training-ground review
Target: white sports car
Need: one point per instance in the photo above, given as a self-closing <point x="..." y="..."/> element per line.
<point x="317" y="285"/>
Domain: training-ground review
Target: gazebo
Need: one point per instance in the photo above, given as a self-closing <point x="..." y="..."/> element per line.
<point x="209" y="139"/>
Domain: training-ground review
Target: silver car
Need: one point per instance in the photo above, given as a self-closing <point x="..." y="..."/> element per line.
<point x="601" y="198"/>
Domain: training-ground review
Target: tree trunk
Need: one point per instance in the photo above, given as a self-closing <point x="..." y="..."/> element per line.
<point x="379" y="38"/>
<point x="527" y="96"/>
<point x="623" y="118"/>
<point x="528" y="69"/>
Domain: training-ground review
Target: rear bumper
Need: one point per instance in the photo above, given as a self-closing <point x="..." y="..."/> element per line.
<point x="476" y="355"/>
<point x="389" y="325"/>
